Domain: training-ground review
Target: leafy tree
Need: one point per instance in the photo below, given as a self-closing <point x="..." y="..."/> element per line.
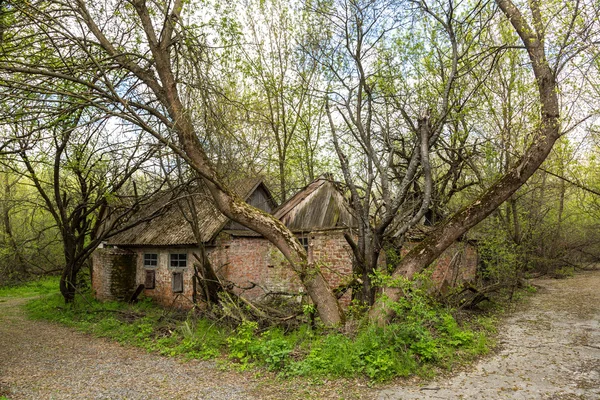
<point x="536" y="38"/>
<point x="127" y="57"/>
<point x="28" y="244"/>
<point x="82" y="172"/>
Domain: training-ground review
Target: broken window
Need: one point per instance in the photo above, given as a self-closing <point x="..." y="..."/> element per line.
<point x="150" y="279"/>
<point x="150" y="260"/>
<point x="177" y="282"/>
<point x="178" y="260"/>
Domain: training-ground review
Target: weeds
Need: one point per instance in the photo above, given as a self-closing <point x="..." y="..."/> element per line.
<point x="424" y="336"/>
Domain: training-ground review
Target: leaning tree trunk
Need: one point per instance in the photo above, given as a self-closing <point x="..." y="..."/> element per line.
<point x="166" y="91"/>
<point x="549" y="131"/>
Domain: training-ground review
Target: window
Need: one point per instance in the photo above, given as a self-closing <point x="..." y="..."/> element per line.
<point x="177" y="282"/>
<point x="150" y="260"/>
<point x="178" y="260"/>
<point x="304" y="242"/>
<point x="150" y="279"/>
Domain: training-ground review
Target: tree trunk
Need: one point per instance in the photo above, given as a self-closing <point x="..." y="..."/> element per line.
<point x="226" y="201"/>
<point x="10" y="240"/>
<point x="68" y="280"/>
<point x="549" y="131"/>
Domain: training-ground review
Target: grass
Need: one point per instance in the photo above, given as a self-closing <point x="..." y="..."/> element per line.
<point x="38" y="287"/>
<point x="425" y="338"/>
<point x="144" y="325"/>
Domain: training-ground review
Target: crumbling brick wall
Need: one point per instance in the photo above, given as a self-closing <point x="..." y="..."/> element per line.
<point x="113" y="274"/>
<point x="256" y="268"/>
<point x="330" y="250"/>
<point x="163" y="276"/>
<point x="259" y="271"/>
<point x="456" y="265"/>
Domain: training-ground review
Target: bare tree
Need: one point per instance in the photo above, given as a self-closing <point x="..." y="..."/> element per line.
<point x="83" y="175"/>
<point x="389" y="108"/>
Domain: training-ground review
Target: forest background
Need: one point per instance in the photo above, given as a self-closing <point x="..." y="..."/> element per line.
<point x="479" y="117"/>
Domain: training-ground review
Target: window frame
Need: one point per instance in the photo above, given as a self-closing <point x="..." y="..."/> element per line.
<point x="178" y="260"/>
<point x="150" y="266"/>
<point x="304" y="241"/>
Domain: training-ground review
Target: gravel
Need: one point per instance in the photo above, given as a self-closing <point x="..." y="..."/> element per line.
<point x="41" y="360"/>
<point x="549" y="350"/>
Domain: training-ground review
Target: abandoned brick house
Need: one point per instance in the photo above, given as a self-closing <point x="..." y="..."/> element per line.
<point x="160" y="253"/>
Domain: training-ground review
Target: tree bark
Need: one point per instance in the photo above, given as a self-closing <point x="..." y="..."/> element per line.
<point x="549" y="131"/>
<point x="166" y="91"/>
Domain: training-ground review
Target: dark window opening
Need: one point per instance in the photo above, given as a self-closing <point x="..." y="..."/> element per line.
<point x="304" y="242"/>
<point x="150" y="279"/>
<point x="177" y="282"/>
<point x="150" y="260"/>
<point x="178" y="260"/>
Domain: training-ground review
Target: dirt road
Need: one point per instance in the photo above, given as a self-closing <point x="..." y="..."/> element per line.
<point x="40" y="360"/>
<point x="549" y="350"/>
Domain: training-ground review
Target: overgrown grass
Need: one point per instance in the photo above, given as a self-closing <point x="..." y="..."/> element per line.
<point x="38" y="287"/>
<point x="143" y="324"/>
<point x="425" y="337"/>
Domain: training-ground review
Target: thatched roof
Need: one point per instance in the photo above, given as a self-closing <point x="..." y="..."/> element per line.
<point x="320" y="205"/>
<point x="171" y="227"/>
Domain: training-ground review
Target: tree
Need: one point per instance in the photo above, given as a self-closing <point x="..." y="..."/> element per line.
<point x="82" y="172"/>
<point x="534" y="36"/>
<point x="390" y="98"/>
<point x="28" y="238"/>
<point x="127" y="56"/>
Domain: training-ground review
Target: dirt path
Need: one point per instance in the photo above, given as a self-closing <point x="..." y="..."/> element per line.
<point x="40" y="360"/>
<point x="549" y="350"/>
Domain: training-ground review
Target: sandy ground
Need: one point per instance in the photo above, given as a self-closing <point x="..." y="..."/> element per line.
<point x="550" y="349"/>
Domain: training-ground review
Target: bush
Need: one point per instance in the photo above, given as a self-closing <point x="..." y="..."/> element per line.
<point x="424" y="335"/>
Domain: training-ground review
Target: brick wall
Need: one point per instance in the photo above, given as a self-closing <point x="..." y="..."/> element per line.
<point x="456" y="265"/>
<point x="113" y="274"/>
<point x="258" y="269"/>
<point x="163" y="283"/>
<point x="331" y="252"/>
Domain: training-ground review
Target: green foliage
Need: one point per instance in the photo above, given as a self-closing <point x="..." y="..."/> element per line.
<point x="143" y="324"/>
<point x="273" y="349"/>
<point x="240" y="341"/>
<point x="564" y="272"/>
<point x="500" y="257"/>
<point x="424" y="336"/>
<point x="38" y="287"/>
<point x="29" y="241"/>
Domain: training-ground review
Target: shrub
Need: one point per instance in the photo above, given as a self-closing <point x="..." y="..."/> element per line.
<point x="424" y="335"/>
